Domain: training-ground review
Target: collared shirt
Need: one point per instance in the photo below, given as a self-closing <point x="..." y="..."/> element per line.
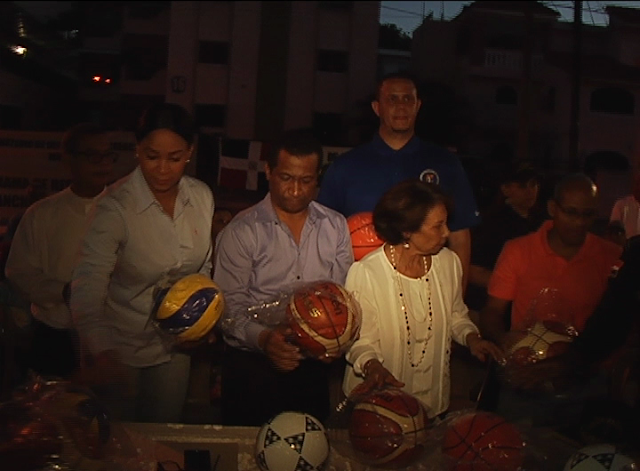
<point x="357" y="179"/>
<point x="43" y="253"/>
<point x="257" y="261"/>
<point x="132" y="245"/>
<point x="544" y="285"/>
<point x="627" y="211"/>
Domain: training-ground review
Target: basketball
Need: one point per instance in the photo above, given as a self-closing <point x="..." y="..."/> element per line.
<point x="545" y="339"/>
<point x="600" y="457"/>
<point x="189" y="309"/>
<point x="388" y="429"/>
<point x="292" y="441"/>
<point x="325" y="319"/>
<point x="364" y="238"/>
<point x="483" y="441"/>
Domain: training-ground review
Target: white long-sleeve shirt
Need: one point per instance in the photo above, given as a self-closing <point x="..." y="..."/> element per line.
<point x="627" y="211"/>
<point x="383" y="334"/>
<point x="43" y="253"/>
<point x="132" y="245"/>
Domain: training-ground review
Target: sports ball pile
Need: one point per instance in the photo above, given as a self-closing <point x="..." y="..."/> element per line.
<point x="388" y="429"/>
<point x="325" y="319"/>
<point x="364" y="238"/>
<point x="292" y="441"/>
<point x="482" y="441"/>
<point x="189" y="308"/>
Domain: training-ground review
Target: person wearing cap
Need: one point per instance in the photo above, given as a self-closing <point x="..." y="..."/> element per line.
<point x="514" y="215"/>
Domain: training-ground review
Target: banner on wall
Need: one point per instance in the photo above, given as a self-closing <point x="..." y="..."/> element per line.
<point x="31" y="167"/>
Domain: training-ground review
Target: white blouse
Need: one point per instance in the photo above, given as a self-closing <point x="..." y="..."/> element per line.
<point x="384" y="334"/>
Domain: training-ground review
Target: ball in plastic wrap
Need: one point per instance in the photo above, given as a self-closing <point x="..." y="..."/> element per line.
<point x="29" y="440"/>
<point x="292" y="441"/>
<point x="388" y="429"/>
<point x="364" y="237"/>
<point x="325" y="319"/>
<point x="600" y="457"/>
<point x="545" y="339"/>
<point x="189" y="308"/>
<point x="483" y="441"/>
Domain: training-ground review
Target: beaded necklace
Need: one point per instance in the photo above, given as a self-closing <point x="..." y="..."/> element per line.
<point x="392" y="252"/>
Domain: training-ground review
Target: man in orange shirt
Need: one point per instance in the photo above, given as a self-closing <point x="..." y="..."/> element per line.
<point x="559" y="272"/>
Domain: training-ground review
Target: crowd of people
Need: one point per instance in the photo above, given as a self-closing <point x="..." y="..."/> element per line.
<point x="86" y="262"/>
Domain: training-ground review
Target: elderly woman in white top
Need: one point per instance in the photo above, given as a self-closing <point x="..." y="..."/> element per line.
<point x="411" y="296"/>
<point x="152" y="226"/>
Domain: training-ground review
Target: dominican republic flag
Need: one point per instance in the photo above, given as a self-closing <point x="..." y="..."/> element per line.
<point x="241" y="164"/>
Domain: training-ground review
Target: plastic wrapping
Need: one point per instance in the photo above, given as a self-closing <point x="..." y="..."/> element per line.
<point x="56" y="425"/>
<point x="322" y="318"/>
<point x="186" y="310"/>
<point x="364" y="237"/>
<point x="601" y="457"/>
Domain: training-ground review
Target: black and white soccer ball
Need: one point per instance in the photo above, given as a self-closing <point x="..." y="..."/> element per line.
<point x="600" y="457"/>
<point x="292" y="441"/>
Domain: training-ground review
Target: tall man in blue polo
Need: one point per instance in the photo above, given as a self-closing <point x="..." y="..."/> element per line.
<point x="264" y="252"/>
<point x="356" y="180"/>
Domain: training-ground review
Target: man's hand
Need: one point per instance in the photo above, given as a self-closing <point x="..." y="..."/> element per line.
<point x="480" y="348"/>
<point x="284" y="355"/>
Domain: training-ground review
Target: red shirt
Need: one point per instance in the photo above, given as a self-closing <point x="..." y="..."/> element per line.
<point x="543" y="285"/>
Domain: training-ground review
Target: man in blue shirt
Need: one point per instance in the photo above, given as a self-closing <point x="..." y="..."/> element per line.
<point x="356" y="180"/>
<point x="285" y="240"/>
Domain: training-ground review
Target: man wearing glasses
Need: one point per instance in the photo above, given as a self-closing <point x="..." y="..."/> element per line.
<point x="43" y="250"/>
<point x="558" y="273"/>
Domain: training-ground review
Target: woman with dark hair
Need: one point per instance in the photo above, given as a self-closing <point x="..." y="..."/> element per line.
<point x="410" y="290"/>
<point x="152" y="226"/>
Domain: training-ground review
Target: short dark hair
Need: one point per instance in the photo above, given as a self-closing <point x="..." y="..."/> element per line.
<point x="573" y="181"/>
<point x="166" y="116"/>
<point x="74" y="135"/>
<point x="404" y="75"/>
<point x="297" y="142"/>
<point x="518" y="172"/>
<point x="404" y="207"/>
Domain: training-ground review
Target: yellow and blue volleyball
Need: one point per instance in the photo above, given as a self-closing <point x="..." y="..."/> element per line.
<point x="190" y="308"/>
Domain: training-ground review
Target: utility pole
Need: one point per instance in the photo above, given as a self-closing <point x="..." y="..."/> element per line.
<point x="574" y="132"/>
<point x="524" y="108"/>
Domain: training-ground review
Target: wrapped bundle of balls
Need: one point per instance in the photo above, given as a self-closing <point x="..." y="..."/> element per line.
<point x="292" y="441"/>
<point x="601" y="457"/>
<point x="187" y="310"/>
<point x="389" y="429"/>
<point x="364" y="237"/>
<point x="482" y="441"/>
<point x="325" y="319"/>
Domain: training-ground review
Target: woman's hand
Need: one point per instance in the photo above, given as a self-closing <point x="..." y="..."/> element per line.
<point x="284" y="355"/>
<point x="376" y="376"/>
<point x="480" y="348"/>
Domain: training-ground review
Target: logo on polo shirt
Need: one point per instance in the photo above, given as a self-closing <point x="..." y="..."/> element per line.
<point x="430" y="176"/>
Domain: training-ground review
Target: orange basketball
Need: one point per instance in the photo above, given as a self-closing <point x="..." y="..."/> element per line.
<point x="388" y="429"/>
<point x="364" y="238"/>
<point x="325" y="319"/>
<point x="482" y="441"/>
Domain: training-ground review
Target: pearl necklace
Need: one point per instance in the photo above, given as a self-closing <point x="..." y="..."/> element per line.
<point x="392" y="252"/>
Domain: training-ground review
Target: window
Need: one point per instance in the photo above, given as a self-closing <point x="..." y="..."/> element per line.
<point x="144" y="55"/>
<point x="213" y="52"/>
<point x="612" y="100"/>
<point x="332" y="61"/>
<point x="213" y="116"/>
<point x="506" y="95"/>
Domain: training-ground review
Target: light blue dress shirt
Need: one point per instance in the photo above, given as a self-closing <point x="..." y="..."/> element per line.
<point x="257" y="260"/>
<point x="131" y="245"/>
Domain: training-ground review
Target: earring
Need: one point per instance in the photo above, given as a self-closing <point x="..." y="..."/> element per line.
<point x="188" y="160"/>
<point x="406" y="245"/>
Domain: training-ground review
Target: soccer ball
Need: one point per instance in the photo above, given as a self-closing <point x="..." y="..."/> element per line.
<point x="188" y="309"/>
<point x="600" y="457"/>
<point x="292" y="441"/>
